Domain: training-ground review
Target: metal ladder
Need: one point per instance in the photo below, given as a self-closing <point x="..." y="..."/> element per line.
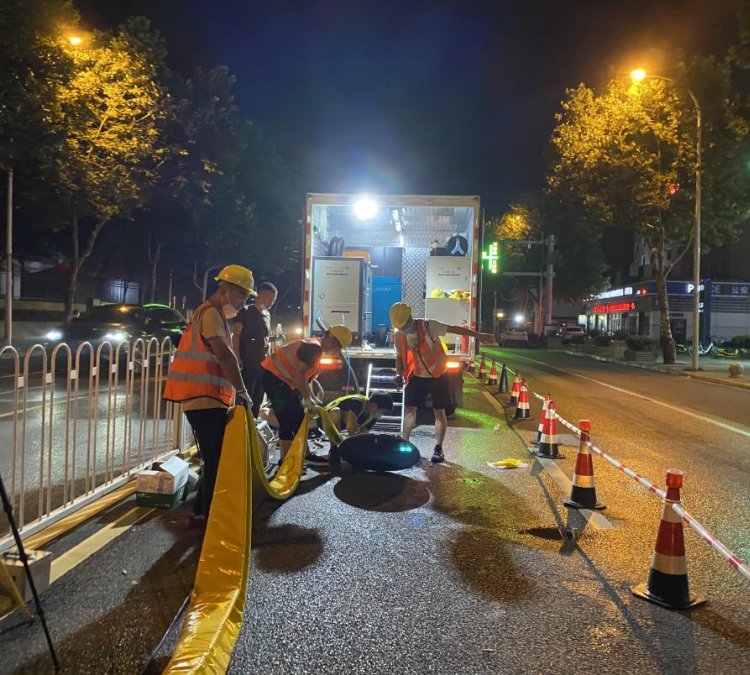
<point x="383" y="380"/>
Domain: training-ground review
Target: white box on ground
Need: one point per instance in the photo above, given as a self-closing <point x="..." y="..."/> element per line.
<point x="39" y="564"/>
<point x="164" y="477"/>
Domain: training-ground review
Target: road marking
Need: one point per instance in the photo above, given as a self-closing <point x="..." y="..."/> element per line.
<point x="76" y="555"/>
<point x="597" y="520"/>
<point x="669" y="406"/>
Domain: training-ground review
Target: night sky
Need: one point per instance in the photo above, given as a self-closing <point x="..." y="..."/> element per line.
<point x="419" y="97"/>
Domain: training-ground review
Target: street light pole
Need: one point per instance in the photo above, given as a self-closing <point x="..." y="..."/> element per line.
<point x="697" y="234"/>
<point x="640" y="74"/>
<point x="9" y="263"/>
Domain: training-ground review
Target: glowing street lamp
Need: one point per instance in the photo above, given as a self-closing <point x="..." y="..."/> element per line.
<point x="638" y="75"/>
<point x="75" y="40"/>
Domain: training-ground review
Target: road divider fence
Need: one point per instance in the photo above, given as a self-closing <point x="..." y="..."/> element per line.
<point x="78" y="422"/>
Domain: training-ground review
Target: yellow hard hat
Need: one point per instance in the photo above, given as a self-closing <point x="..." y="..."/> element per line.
<point x="239" y="276"/>
<point x="342" y="334"/>
<point x="400" y="314"/>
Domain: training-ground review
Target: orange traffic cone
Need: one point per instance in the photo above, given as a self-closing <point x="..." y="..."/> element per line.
<point x="502" y="388"/>
<point x="667" y="583"/>
<point x="472" y="366"/>
<point x="516" y="390"/>
<point x="583" y="492"/>
<point x="548" y="441"/>
<point x="482" y="368"/>
<point x="492" y="378"/>
<point x="522" y="409"/>
<point x="542" y="418"/>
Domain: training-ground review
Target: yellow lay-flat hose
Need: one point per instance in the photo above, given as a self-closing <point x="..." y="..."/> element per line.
<point x="286" y="480"/>
<point x="214" y="617"/>
<point x="334" y="435"/>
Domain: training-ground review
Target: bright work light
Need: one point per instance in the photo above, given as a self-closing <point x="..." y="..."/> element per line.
<point x="365" y="208"/>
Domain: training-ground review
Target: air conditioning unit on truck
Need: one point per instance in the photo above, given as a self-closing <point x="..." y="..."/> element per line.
<point x="362" y="254"/>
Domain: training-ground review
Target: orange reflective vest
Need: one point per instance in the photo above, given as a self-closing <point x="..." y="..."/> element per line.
<point x="195" y="372"/>
<point x="284" y="362"/>
<point x="429" y="352"/>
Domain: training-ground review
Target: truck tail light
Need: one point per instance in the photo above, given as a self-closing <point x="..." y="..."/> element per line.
<point x="329" y="363"/>
<point x="453" y="366"/>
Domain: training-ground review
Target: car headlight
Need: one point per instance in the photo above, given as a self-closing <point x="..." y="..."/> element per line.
<point x="116" y="336"/>
<point x="54" y="335"/>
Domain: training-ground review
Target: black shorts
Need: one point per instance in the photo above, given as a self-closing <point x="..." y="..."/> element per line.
<point x="286" y="404"/>
<point x="418" y="388"/>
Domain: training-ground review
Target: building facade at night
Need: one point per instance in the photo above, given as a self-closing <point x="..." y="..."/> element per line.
<point x="725" y="309"/>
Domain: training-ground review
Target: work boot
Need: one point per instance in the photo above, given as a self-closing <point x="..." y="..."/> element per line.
<point x="437" y="455"/>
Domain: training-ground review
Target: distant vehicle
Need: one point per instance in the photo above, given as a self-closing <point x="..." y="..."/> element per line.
<point x="571" y="334"/>
<point x="122" y="323"/>
<point x="514" y="335"/>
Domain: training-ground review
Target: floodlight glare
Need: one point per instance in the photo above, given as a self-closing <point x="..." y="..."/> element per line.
<point x="365" y="208"/>
<point x="519" y="318"/>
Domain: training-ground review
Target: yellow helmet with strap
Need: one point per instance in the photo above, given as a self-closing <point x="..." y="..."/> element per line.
<point x="400" y="314"/>
<point x="342" y="334"/>
<point x="239" y="276"/>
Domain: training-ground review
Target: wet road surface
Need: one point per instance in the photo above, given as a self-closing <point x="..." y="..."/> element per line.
<point x="457" y="568"/>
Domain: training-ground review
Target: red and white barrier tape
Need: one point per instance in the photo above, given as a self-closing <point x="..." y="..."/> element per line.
<point x="619" y="465"/>
<point x="732" y="558"/>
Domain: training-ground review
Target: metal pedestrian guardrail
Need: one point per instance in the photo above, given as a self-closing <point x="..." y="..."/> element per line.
<point x="76" y="423"/>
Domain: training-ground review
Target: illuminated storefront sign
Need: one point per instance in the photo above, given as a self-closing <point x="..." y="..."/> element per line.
<point x="614" y="307"/>
<point x="615" y="293"/>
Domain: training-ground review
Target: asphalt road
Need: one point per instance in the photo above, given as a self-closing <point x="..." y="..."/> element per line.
<point x="457" y="568"/>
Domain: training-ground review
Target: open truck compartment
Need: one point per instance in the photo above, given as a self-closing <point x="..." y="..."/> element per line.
<point x="419" y="249"/>
<point x="362" y="254"/>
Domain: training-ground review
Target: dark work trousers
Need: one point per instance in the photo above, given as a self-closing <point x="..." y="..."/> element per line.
<point x="252" y="376"/>
<point x="208" y="427"/>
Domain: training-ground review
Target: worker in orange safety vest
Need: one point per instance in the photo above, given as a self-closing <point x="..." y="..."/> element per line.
<point x="421" y="364"/>
<point x="287" y="374"/>
<point x="205" y="373"/>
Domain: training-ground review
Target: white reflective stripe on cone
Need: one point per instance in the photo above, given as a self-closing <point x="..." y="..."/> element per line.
<point x="583" y="481"/>
<point x="669" y="564"/>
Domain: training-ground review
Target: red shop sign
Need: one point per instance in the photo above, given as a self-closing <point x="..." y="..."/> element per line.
<point x="614" y="307"/>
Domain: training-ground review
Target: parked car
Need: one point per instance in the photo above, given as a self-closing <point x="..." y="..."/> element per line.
<point x="514" y="335"/>
<point x="570" y="334"/>
<point x="122" y="323"/>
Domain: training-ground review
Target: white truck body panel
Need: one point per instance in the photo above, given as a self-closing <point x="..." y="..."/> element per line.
<point x="411" y="224"/>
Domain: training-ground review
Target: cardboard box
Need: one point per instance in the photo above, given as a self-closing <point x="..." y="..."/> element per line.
<point x="159" y="500"/>
<point x="39" y="564"/>
<point x="164" y="478"/>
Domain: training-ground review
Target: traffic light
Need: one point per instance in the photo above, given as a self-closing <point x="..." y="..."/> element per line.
<point x="491" y="258"/>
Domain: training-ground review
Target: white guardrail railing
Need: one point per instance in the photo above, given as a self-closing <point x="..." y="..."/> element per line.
<point x="76" y="424"/>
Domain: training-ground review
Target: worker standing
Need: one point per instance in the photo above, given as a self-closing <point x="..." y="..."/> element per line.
<point x="287" y="374"/>
<point x="421" y="364"/>
<point x="251" y="340"/>
<point x="205" y="374"/>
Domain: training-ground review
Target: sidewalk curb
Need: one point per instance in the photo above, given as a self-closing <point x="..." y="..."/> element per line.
<point x="682" y="372"/>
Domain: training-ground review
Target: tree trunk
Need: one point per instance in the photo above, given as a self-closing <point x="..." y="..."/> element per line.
<point x="154" y="272"/>
<point x="70" y="296"/>
<point x="665" y="324"/>
<point x="204" y="288"/>
<point x="78" y="260"/>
